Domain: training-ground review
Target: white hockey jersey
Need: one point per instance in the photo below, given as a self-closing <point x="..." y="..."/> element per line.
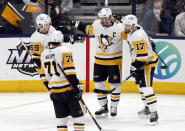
<point x="140" y="46"/>
<point x="39" y="42"/>
<point x="108" y="42"/>
<point x="50" y="59"/>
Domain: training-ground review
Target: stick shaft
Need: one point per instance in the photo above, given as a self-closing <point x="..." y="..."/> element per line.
<point x="95" y="121"/>
<point x="158" y="54"/>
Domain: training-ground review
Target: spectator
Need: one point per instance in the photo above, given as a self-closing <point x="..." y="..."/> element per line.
<point x="66" y="6"/>
<point x="157" y="21"/>
<point x="16" y="18"/>
<point x="11" y="18"/>
<point x="59" y="11"/>
<point x="180" y="6"/>
<point x="179" y="29"/>
<point x="174" y="6"/>
<point x="76" y="3"/>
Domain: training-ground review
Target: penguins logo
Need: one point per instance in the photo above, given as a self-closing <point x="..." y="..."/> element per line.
<point x="104" y="41"/>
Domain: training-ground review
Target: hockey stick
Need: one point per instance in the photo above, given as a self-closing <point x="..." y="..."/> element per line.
<point x="93" y="118"/>
<point x="163" y="66"/>
<point x="22" y="42"/>
<point x="109" y="92"/>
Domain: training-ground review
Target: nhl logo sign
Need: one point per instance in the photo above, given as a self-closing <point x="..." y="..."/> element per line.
<point x="20" y="59"/>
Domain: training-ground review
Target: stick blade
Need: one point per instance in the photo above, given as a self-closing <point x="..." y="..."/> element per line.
<point x="164" y="67"/>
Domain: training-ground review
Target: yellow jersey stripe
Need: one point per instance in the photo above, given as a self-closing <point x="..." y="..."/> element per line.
<point x="142" y="96"/>
<point x="11" y="15"/>
<point x="61" y="90"/>
<point x="44" y="80"/>
<point x="79" y="128"/>
<point x="109" y="54"/>
<point x="89" y="30"/>
<point x="151" y="99"/>
<point x="62" y="130"/>
<point x="31" y="9"/>
<point x="101" y="95"/>
<point x="115" y="97"/>
<point x="70" y="73"/>
<point x="109" y="62"/>
<point x="57" y="82"/>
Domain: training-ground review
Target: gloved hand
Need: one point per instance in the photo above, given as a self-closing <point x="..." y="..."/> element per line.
<point x="117" y="17"/>
<point x="78" y="91"/>
<point x="135" y="67"/>
<point x="133" y="71"/>
<point x="74" y="23"/>
<point x="76" y="38"/>
<point x="138" y="64"/>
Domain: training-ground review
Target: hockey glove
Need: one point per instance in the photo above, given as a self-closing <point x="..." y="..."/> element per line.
<point x="74" y="23"/>
<point x="133" y="71"/>
<point x="117" y="17"/>
<point x="138" y="64"/>
<point x="76" y="38"/>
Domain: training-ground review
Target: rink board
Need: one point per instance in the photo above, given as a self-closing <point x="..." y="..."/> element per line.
<point x="17" y="74"/>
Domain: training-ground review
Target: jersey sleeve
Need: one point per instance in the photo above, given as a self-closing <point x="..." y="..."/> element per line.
<point x="86" y="28"/>
<point x="89" y="30"/>
<point x="36" y="49"/>
<point x="68" y="64"/>
<point x="123" y="35"/>
<point x="12" y="15"/>
<point x="69" y="68"/>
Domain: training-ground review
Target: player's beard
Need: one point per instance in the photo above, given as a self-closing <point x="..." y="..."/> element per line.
<point x="104" y="24"/>
<point x="127" y="31"/>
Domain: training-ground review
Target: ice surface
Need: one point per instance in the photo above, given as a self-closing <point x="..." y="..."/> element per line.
<point x="34" y="112"/>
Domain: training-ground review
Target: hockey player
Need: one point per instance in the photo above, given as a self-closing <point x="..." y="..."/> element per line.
<point x="144" y="61"/>
<point x="108" y="58"/>
<point x="59" y="68"/>
<point x="39" y="42"/>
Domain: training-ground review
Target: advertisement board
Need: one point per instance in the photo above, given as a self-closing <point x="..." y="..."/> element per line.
<point x="17" y="73"/>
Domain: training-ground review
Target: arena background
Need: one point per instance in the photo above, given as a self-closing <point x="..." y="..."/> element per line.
<point x="17" y="73"/>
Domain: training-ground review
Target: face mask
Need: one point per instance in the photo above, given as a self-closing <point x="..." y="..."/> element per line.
<point x="156" y="11"/>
